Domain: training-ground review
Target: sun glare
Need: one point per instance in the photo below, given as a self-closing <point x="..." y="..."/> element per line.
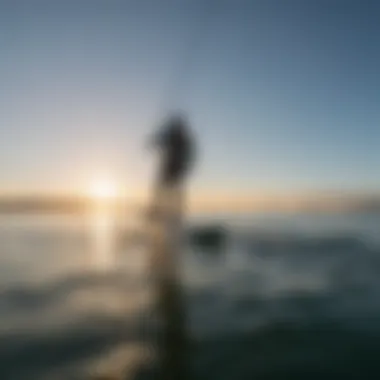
<point x="103" y="190"/>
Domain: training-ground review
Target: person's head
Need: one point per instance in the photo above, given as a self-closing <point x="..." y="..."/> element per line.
<point x="177" y="119"/>
<point x="178" y="124"/>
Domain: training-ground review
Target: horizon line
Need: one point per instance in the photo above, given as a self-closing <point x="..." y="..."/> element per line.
<point x="219" y="202"/>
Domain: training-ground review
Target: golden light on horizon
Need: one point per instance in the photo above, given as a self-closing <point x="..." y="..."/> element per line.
<point x="103" y="190"/>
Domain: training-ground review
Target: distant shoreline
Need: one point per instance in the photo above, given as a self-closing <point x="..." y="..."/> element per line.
<point x="80" y="205"/>
<point x="53" y="205"/>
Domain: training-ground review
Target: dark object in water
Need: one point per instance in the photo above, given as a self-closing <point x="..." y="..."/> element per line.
<point x="209" y="237"/>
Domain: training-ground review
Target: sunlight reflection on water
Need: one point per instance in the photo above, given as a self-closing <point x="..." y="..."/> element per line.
<point x="103" y="237"/>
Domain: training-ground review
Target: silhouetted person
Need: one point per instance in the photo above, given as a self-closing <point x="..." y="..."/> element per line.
<point x="176" y="158"/>
<point x="177" y="149"/>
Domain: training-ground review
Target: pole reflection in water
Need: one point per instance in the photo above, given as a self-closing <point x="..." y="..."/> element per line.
<point x="103" y="236"/>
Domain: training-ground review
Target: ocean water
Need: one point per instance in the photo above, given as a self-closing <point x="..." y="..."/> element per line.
<point x="294" y="296"/>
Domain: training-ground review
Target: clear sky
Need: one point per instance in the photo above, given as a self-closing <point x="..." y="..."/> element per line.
<point x="283" y="95"/>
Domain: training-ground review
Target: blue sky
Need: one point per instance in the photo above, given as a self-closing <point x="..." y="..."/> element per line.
<point x="283" y="95"/>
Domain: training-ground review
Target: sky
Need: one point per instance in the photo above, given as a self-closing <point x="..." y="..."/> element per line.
<point x="282" y="95"/>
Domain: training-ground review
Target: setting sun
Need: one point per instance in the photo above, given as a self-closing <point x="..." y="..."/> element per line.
<point x="103" y="190"/>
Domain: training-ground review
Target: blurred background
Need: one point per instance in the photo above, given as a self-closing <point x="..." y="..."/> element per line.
<point x="280" y="250"/>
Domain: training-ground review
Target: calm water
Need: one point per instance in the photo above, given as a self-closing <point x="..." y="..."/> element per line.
<point x="292" y="296"/>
